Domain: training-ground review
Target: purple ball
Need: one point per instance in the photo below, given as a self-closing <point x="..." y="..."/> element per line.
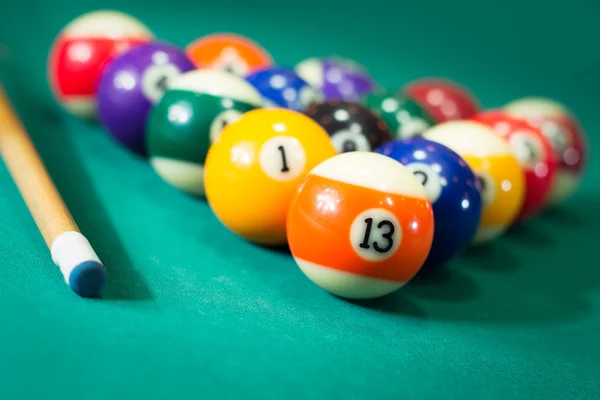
<point x="337" y="78"/>
<point x="344" y="82"/>
<point x="130" y="86"/>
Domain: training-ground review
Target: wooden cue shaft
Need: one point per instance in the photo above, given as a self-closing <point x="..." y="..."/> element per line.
<point x="29" y="174"/>
<point x="70" y="250"/>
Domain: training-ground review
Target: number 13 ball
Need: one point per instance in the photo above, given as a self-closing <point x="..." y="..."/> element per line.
<point x="254" y="167"/>
<point x="360" y="226"/>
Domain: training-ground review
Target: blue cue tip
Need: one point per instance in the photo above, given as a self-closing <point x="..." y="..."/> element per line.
<point x="88" y="279"/>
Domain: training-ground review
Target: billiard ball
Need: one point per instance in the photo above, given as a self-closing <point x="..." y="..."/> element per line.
<point x="352" y="126"/>
<point x="131" y="84"/>
<point x="405" y="117"/>
<point x="445" y="100"/>
<point x="533" y="151"/>
<point x="81" y="51"/>
<point x="229" y="52"/>
<point x="336" y="77"/>
<point x="567" y="137"/>
<point x="189" y="116"/>
<point x="282" y="87"/>
<point x="360" y="225"/>
<point x="254" y="167"/>
<point x="451" y="186"/>
<point x="500" y="179"/>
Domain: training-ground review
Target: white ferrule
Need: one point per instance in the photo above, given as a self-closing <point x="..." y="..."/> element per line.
<point x="69" y="250"/>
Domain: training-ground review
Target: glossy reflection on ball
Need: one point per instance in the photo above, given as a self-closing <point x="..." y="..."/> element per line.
<point x="352" y="126"/>
<point x="500" y="178"/>
<point x="451" y="187"/>
<point x="132" y="83"/>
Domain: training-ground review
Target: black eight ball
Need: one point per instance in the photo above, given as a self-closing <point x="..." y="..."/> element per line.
<point x="351" y="126"/>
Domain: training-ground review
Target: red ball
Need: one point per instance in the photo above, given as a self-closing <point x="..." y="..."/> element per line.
<point x="443" y="99"/>
<point x="82" y="50"/>
<point x="534" y="152"/>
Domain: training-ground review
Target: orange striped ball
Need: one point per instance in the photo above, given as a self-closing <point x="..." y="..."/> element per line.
<point x="360" y="225"/>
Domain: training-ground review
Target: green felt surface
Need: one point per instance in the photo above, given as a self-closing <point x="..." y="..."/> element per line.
<point x="191" y="311"/>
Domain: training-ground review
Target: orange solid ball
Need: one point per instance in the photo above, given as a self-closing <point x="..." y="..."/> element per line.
<point x="254" y="167"/>
<point x="229" y="52"/>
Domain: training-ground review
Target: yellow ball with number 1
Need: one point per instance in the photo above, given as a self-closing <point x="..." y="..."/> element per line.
<point x="256" y="165"/>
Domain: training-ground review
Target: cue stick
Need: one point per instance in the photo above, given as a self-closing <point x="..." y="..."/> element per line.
<point x="70" y="250"/>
